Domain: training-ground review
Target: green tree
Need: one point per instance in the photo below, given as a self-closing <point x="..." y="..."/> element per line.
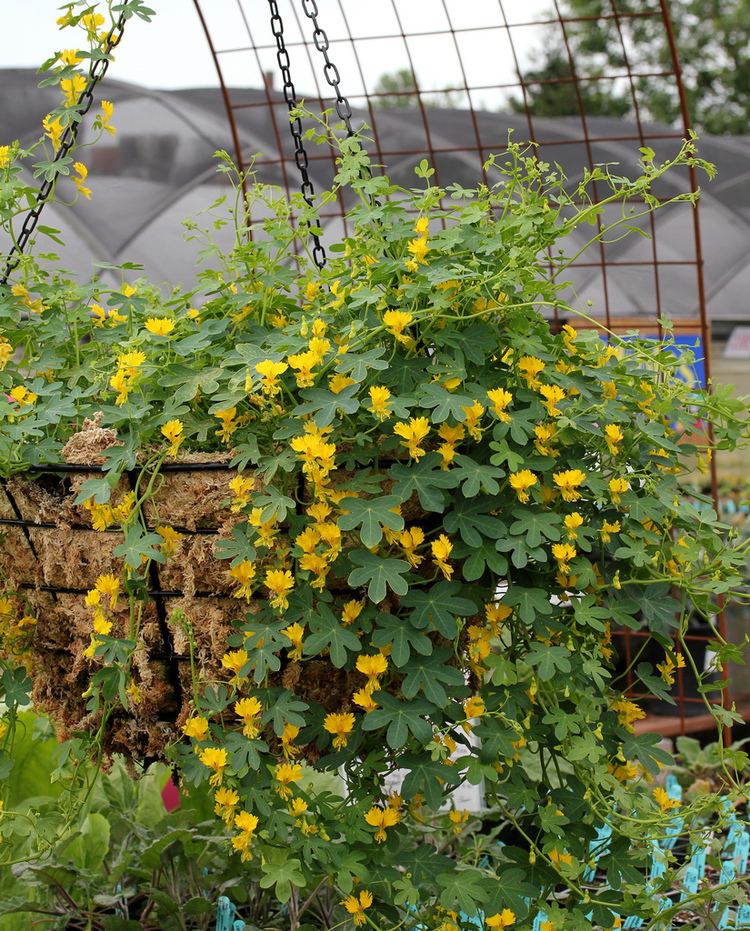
<point x="400" y="89"/>
<point x="713" y="40"/>
<point x="552" y="90"/>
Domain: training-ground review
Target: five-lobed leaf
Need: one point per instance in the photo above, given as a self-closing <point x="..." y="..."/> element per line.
<point x="371" y="515"/>
<point x="378" y="574"/>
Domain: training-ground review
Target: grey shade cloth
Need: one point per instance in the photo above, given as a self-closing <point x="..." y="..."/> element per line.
<point x="159" y="169"/>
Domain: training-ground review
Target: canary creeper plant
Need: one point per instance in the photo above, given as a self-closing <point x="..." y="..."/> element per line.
<point x="442" y="499"/>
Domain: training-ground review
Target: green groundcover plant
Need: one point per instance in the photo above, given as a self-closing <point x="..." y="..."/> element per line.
<point x="442" y="508"/>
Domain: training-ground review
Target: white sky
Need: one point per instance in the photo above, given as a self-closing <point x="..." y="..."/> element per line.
<point x="171" y="51"/>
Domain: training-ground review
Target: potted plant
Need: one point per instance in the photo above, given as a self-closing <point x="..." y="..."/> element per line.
<point x="301" y="525"/>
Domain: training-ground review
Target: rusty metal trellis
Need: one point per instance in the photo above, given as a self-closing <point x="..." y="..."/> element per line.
<point x="452" y="26"/>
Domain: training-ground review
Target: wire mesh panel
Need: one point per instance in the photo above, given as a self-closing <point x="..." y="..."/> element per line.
<point x="446" y="80"/>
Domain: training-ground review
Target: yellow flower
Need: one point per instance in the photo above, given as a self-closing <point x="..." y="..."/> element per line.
<point x="396" y="322"/>
<point x="109" y="585"/>
<point x="627" y="712"/>
<point x="286" y="774"/>
<point x="473" y="415"/>
<point x="72" y="88"/>
<point x="249" y="709"/>
<point x="172" y="431"/>
<point x="234" y="661"/>
<point x="288" y="736"/>
<point x="569" y="336"/>
<point x="382" y="818"/>
<point x="558" y="857"/>
<point x="664" y="801"/>
<point x="350" y="612"/>
<point x="608" y="528"/>
<point x="410" y="539"/>
<point x="298" y="807"/>
<point x="18" y="290"/>
<point x="317" y="456"/>
<point x="340" y="726"/>
<point x="626" y="772"/>
<point x="228" y="423"/>
<point x="130" y="362"/>
<point x="372" y="666"/>
<point x="214" y="758"/>
<point x="319" y="347"/>
<point x="364" y="700"/>
<point x="617" y="488"/>
<point x="609" y="390"/>
<point x="501" y="399"/>
<point x="270" y="372"/>
<point x="226" y="800"/>
<point x="159" y="326"/>
<point x="337" y="382"/>
<point x="458" y="819"/>
<point x="244" y="573"/>
<point x="530" y="367"/>
<point x="246" y="824"/>
<point x="196" y="727"/>
<point x="552" y="395"/>
<point x="279" y="582"/>
<point x="303" y="364"/>
<point x="667" y="668"/>
<point x="295" y="634"/>
<point x="379" y="398"/>
<point x="495" y="615"/>
<point x="241" y="486"/>
<point x="503" y="919"/>
<point x="91" y="22"/>
<point x="108" y="108"/>
<point x="572" y="523"/>
<point x="69" y="57"/>
<point x="412" y="432"/>
<point x="53" y="130"/>
<point x="170" y="538"/>
<point x="418" y="249"/>
<point x="441" y="551"/>
<point x="312" y="289"/>
<point x="4" y="156"/>
<point x="6" y="351"/>
<point x="568" y="483"/>
<point x="521" y="481"/>
<point x="22" y="396"/>
<point x="357" y="906"/>
<point x="563" y="553"/>
<point x="82" y="173"/>
<point x="614" y="436"/>
<point x="474" y="707"/>
<point x="127" y="289"/>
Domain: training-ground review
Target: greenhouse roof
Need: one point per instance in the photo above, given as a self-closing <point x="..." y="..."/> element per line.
<point x="159" y="169"/>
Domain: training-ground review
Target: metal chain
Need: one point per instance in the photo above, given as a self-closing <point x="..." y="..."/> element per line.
<point x="295" y="126"/>
<point x="67" y="142"/>
<point x="330" y="71"/>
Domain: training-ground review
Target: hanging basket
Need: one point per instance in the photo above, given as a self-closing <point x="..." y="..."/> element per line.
<point x="51" y="555"/>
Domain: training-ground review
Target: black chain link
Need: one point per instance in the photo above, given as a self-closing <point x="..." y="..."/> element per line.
<point x="330" y="71"/>
<point x="67" y="142"/>
<point x="295" y="126"/>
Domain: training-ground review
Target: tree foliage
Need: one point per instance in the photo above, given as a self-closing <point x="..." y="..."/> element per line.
<point x="712" y="37"/>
